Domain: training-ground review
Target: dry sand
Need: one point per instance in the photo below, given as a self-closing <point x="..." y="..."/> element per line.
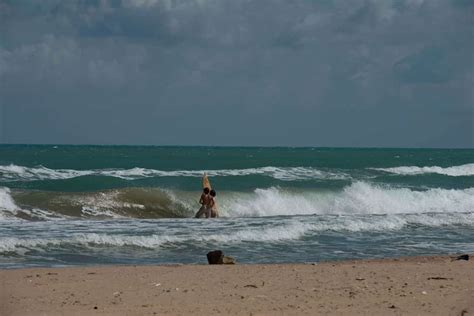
<point x="406" y="286"/>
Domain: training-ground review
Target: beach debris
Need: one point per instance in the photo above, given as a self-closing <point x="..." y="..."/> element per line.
<point x="251" y="285"/>
<point x="155" y="284"/>
<point x="228" y="260"/>
<point x="424" y="292"/>
<point x="95" y="307"/>
<point x="360" y="279"/>
<point x="392" y="306"/>
<point x="439" y="278"/>
<point x="217" y="257"/>
<point x="462" y="257"/>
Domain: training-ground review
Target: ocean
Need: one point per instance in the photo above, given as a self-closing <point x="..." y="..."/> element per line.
<point x="96" y="205"/>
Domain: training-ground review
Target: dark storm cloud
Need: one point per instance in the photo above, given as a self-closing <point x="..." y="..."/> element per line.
<point x="251" y="72"/>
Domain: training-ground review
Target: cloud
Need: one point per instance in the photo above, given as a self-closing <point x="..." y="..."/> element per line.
<point x="65" y="63"/>
<point x="140" y="3"/>
<point x="297" y="64"/>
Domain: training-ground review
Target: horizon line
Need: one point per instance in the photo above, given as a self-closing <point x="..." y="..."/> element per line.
<point x="231" y="146"/>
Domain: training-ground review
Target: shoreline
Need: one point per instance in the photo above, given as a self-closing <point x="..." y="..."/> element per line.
<point x="433" y="285"/>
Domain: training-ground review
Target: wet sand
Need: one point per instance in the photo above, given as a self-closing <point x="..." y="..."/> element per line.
<point x="405" y="286"/>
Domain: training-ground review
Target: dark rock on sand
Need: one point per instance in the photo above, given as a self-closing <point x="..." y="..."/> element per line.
<point x="463" y="257"/>
<point x="217" y="257"/>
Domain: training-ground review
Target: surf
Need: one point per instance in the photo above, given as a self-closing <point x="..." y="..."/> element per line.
<point x="22" y="173"/>
<point x="357" y="198"/>
<point x="454" y="171"/>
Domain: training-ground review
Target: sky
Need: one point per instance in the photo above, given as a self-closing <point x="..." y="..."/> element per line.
<point x="358" y="73"/>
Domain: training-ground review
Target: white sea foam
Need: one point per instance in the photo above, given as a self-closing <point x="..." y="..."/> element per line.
<point x="281" y="230"/>
<point x="152" y="241"/>
<point x="11" y="244"/>
<point x="98" y="212"/>
<point x="16" y="173"/>
<point x="361" y="224"/>
<point x="6" y="200"/>
<point x="286" y="232"/>
<point x="9" y="209"/>
<point x="393" y="222"/>
<point x="455" y="171"/>
<point x="101" y="204"/>
<point x="280" y="173"/>
<point x="7" y="204"/>
<point x="438" y="220"/>
<point x="363" y="198"/>
<point x="42" y="214"/>
<point x="358" y="198"/>
<point x="290" y="231"/>
<point x="272" y="234"/>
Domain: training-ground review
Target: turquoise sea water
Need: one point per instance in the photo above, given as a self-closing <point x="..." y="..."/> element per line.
<point x="85" y="205"/>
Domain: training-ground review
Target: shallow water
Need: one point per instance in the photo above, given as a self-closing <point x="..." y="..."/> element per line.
<point x="87" y="205"/>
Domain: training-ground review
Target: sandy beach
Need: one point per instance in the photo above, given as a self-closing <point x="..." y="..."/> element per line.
<point x="405" y="286"/>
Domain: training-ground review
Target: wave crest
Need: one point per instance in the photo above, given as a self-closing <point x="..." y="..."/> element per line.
<point x="21" y="173"/>
<point x="454" y="171"/>
<point x="8" y="207"/>
<point x="358" y="198"/>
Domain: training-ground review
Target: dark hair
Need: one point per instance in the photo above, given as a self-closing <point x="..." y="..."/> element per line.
<point x="213" y="193"/>
<point x="206" y="190"/>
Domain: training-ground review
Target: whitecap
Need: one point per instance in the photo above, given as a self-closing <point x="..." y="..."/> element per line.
<point x="21" y="173"/>
<point x="358" y="198"/>
<point x="454" y="171"/>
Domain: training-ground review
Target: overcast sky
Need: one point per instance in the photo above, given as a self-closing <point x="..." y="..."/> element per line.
<point x="386" y="73"/>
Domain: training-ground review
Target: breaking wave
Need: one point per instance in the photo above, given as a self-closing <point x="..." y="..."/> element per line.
<point x="358" y="198"/>
<point x="21" y="173"/>
<point x="455" y="171"/>
<point x="119" y="203"/>
<point x="8" y="208"/>
<point x="6" y="201"/>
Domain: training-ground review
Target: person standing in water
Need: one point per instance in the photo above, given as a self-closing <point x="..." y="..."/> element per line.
<point x="212" y="209"/>
<point x="204" y="201"/>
